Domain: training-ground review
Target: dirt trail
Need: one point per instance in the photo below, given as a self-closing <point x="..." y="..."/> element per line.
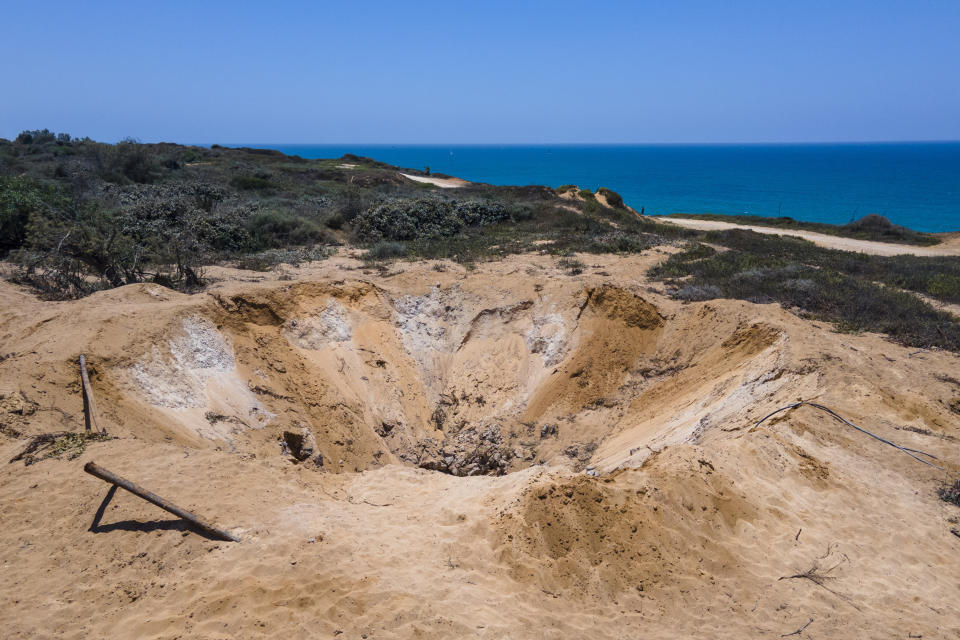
<point x="443" y="183"/>
<point x="505" y="452"/>
<point x="950" y="246"/>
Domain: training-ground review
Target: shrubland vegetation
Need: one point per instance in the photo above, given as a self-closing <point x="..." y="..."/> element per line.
<point x="858" y="292"/>
<point x="77" y="216"/>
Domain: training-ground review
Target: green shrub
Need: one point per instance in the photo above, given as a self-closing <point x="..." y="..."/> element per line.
<point x="272" y="258"/>
<point x="572" y="266"/>
<point x="251" y="183"/>
<point x="950" y="493"/>
<point x="37" y="136"/>
<point x="335" y="222"/>
<point x="586" y="194"/>
<point x="273" y="229"/>
<point x="159" y="233"/>
<point x="564" y="188"/>
<point x="424" y="218"/>
<point x="385" y="250"/>
<point x="836" y="286"/>
<point x="945" y="286"/>
<point x="19" y="199"/>
<point x="128" y="161"/>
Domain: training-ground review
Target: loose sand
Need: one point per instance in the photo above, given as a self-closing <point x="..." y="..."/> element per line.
<point x="950" y="246"/>
<point x="639" y="501"/>
<point x="443" y="183"/>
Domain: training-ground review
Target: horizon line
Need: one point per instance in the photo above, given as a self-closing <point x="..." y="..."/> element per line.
<point x="598" y="144"/>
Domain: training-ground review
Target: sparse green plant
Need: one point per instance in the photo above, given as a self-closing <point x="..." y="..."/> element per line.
<point x="572" y="266"/>
<point x="385" y="250"/>
<point x="53" y="445"/>
<point x="950" y="493"/>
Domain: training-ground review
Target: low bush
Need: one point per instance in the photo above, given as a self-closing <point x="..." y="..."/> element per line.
<point x="272" y="258"/>
<point x="251" y="183"/>
<point x="698" y="293"/>
<point x="386" y="250"/>
<point x="877" y="227"/>
<point x="424" y="218"/>
<point x="335" y="222"/>
<point x="831" y="285"/>
<point x="128" y="161"/>
<point x="160" y="233"/>
<point x="950" y="493"/>
<point x="572" y="266"/>
<point x="933" y="276"/>
<point x="20" y="198"/>
<point x="273" y="229"/>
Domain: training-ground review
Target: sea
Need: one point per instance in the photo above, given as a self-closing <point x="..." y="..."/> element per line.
<point x="913" y="184"/>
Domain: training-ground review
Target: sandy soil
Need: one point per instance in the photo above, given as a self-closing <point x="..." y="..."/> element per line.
<point x="949" y="247"/>
<point x="638" y="498"/>
<point x="443" y="183"/>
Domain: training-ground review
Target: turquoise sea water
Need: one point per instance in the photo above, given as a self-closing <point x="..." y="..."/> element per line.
<point x="913" y="184"/>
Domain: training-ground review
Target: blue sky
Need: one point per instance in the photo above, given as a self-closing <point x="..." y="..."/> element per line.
<point x="494" y="72"/>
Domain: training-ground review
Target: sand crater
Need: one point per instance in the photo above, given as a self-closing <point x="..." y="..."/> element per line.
<point x="452" y="379"/>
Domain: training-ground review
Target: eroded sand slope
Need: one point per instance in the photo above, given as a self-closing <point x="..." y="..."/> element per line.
<point x="507" y="452"/>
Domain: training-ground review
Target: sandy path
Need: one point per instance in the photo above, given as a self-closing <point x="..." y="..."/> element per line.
<point x="443" y="183"/>
<point x="949" y="247"/>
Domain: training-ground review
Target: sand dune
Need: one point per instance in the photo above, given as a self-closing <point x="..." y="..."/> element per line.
<point x="510" y="452"/>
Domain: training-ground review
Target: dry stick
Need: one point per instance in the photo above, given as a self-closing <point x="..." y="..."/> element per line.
<point x="89" y="404"/>
<point x="93" y="469"/>
<point x="798" y="631"/>
<point x="813" y="575"/>
<point x="906" y="450"/>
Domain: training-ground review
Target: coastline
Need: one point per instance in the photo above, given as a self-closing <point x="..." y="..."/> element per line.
<point x="912" y="184"/>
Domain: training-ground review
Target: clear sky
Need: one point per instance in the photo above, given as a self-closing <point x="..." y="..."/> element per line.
<point x="496" y="72"/>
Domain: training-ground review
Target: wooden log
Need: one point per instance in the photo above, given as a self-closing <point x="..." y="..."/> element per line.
<point x="89" y="404"/>
<point x="107" y="476"/>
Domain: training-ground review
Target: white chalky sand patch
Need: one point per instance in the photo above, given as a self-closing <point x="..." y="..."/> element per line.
<point x="319" y="330"/>
<point x="198" y="376"/>
<point x="547" y="337"/>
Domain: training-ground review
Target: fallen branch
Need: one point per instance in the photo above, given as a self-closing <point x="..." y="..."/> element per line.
<point x="89" y="404"/>
<point x="906" y="450"/>
<point x="93" y="469"/>
<point x="798" y="631"/>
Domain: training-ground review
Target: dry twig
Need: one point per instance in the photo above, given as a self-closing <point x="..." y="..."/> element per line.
<point x="910" y="452"/>
<point x="798" y="631"/>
